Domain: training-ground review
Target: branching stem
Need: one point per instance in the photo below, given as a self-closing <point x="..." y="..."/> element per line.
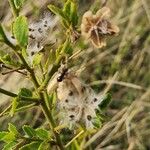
<point x="43" y="99"/>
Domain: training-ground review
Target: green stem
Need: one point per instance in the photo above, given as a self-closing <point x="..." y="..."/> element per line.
<point x="15" y="49"/>
<point x="14" y="10"/>
<point x="24" y="108"/>
<point x="8" y="93"/>
<point x="12" y="70"/>
<point x="43" y="99"/>
<point x="5" y="39"/>
<point x="45" y="109"/>
<point x="30" y="70"/>
<point x="5" y="111"/>
<point x="51" y="122"/>
<point x="48" y="76"/>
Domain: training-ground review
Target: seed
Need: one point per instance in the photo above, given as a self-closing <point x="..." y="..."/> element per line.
<point x="40" y="30"/>
<point x="95" y="99"/>
<point x="86" y="100"/>
<point x="66" y="100"/>
<point x="89" y="117"/>
<point x="70" y="93"/>
<point x="32" y="53"/>
<point x="12" y="37"/>
<point x="72" y="109"/>
<point x="38" y="45"/>
<point x="71" y="116"/>
<point x="31" y="29"/>
<point x="59" y="79"/>
<point x="31" y="36"/>
<point x="45" y="25"/>
<point x="83" y="89"/>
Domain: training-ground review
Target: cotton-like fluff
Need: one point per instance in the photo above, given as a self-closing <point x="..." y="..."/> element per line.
<point x="39" y="34"/>
<point x="77" y="102"/>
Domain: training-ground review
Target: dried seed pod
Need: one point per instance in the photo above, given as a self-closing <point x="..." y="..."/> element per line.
<point x="97" y="27"/>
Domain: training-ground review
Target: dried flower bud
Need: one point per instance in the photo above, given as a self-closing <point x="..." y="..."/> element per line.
<point x="97" y="27"/>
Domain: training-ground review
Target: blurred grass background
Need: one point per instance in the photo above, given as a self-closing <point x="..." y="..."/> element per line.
<point x="122" y="67"/>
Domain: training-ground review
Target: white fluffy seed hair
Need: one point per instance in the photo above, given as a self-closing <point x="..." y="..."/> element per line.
<point x="77" y="102"/>
<point x="39" y="33"/>
<point x="49" y="19"/>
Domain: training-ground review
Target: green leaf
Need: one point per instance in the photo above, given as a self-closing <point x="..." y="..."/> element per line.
<point x="29" y="131"/>
<point x="105" y="102"/>
<point x="20" y="30"/>
<point x="37" y="59"/>
<point x="73" y="14"/>
<point x="58" y="51"/>
<point x="24" y="53"/>
<point x="44" y="146"/>
<point x="59" y="12"/>
<point x="31" y="146"/>
<point x="65" y="23"/>
<point x="50" y="60"/>
<point x="25" y="92"/>
<point x="53" y="98"/>
<point x="67" y="7"/>
<point x="52" y="57"/>
<point x="12" y="129"/>
<point x="9" y="146"/>
<point x="23" y="105"/>
<point x="2" y="134"/>
<point x="70" y="10"/>
<point x="14" y="106"/>
<point x="6" y="59"/>
<point x="9" y="137"/>
<point x="64" y="48"/>
<point x="18" y="3"/>
<point x="42" y="134"/>
<point x="97" y="122"/>
<point x="67" y="49"/>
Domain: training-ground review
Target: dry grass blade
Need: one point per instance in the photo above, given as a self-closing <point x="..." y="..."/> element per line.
<point x="134" y="109"/>
<point x="126" y="84"/>
<point x="146" y="8"/>
<point x="105" y="128"/>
